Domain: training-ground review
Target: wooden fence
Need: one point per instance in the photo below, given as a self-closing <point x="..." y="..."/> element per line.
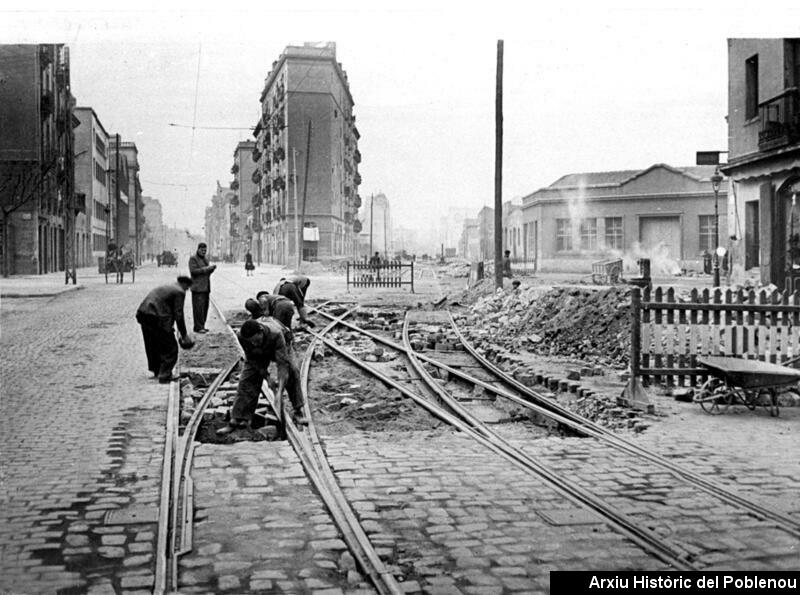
<point x="668" y="335"/>
<point x="390" y="274"/>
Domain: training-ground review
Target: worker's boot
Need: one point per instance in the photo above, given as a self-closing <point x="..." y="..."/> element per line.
<point x="230" y="427"/>
<point x="299" y="418"/>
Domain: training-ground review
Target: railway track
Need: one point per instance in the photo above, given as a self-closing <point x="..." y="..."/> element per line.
<point x="446" y="398"/>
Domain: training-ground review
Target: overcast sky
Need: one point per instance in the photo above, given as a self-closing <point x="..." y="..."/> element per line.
<point x="587" y="87"/>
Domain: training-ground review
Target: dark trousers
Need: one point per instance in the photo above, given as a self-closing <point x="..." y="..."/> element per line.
<point x="283" y="313"/>
<point x="160" y="346"/>
<point x="249" y="389"/>
<point x="199" y="309"/>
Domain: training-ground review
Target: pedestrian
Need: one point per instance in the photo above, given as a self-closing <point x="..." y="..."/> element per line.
<point x="159" y="311"/>
<point x="507" y="264"/>
<point x="200" y="270"/>
<point x="295" y="289"/>
<point x="248" y="264"/>
<point x="264" y="342"/>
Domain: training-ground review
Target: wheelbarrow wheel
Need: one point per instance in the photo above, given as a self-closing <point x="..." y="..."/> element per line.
<point x="714" y="396"/>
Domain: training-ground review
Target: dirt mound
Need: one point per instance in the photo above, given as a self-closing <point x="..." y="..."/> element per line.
<point x="584" y="323"/>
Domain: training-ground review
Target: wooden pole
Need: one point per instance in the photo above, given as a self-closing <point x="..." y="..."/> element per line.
<point x="305" y="194"/>
<point x="498" y="171"/>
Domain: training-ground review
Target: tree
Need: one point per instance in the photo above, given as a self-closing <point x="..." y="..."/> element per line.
<point x="20" y="183"/>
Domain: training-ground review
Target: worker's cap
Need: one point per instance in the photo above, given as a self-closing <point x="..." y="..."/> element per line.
<point x="260" y="293"/>
<point x="184" y="280"/>
<point x="250" y="328"/>
<point x="253" y="307"/>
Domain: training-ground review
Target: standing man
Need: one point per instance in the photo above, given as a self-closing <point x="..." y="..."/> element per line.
<point x="507" y="264"/>
<point x="263" y="342"/>
<point x="159" y="311"/>
<point x="295" y="289"/>
<point x="200" y="270"/>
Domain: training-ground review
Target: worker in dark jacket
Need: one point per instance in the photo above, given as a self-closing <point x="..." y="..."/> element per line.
<point x="263" y="342"/>
<point x="200" y="270"/>
<point x="278" y="306"/>
<point x="295" y="289"/>
<point x="159" y="311"/>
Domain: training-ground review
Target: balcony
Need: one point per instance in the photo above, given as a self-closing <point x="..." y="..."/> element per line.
<point x="235" y="185"/>
<point x="780" y="120"/>
<point x="234" y="169"/>
<point x="357" y="156"/>
<point x="357" y="179"/>
<point x="256" y="154"/>
<point x="235" y="200"/>
<point x="279" y="154"/>
<point x="256" y="177"/>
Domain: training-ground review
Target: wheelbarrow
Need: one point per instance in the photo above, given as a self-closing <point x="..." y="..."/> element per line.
<point x="751" y="383"/>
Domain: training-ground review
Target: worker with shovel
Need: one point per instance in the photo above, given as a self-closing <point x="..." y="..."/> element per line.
<point x="263" y="342"/>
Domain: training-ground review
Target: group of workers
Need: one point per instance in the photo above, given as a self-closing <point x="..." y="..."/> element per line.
<point x="265" y="338"/>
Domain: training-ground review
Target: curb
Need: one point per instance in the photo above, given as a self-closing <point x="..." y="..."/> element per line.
<point x="51" y="293"/>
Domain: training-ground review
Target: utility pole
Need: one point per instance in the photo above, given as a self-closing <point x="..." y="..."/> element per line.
<point x="296" y="214"/>
<point x="498" y="171"/>
<point x="305" y="188"/>
<point x="117" y="191"/>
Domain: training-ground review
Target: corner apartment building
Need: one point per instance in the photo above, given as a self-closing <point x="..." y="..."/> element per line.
<point x="244" y="204"/>
<point x="218" y="223"/>
<point x="36" y="157"/>
<point x="764" y="158"/>
<point x="130" y="220"/>
<point x="306" y="97"/>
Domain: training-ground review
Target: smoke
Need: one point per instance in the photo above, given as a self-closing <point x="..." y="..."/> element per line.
<point x="660" y="261"/>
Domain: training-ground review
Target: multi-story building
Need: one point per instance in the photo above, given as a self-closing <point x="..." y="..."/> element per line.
<point x="118" y="222"/>
<point x="91" y="180"/>
<point x="307" y="155"/>
<point x="663" y="213"/>
<point x="36" y="159"/>
<point x="244" y="230"/>
<point x="450" y="228"/>
<point x="218" y="223"/>
<point x="764" y="158"/>
<point x="376" y="228"/>
<point x="130" y="215"/>
<point x="153" y="240"/>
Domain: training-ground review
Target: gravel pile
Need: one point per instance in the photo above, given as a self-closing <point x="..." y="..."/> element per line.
<point x="592" y="325"/>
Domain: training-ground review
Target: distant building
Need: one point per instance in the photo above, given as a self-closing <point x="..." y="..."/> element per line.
<point x="486" y="233"/>
<point x="130" y="217"/>
<point x="218" y="223"/>
<point x="662" y="212"/>
<point x="376" y="230"/>
<point x="469" y="245"/>
<point x="245" y="228"/>
<point x="450" y="228"/>
<point x="36" y="158"/>
<point x="307" y="86"/>
<point x="764" y="158"/>
<point x="91" y="179"/>
<point x="154" y="233"/>
<point x="512" y="230"/>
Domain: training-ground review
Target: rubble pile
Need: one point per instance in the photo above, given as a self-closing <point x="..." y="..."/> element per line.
<point x="587" y="324"/>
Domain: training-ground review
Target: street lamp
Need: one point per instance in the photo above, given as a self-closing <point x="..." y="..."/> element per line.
<point x="716" y="180"/>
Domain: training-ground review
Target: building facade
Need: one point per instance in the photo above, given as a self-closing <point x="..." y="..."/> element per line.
<point x="154" y="238"/>
<point x="36" y="159"/>
<point x="244" y="231"/>
<point x="512" y="230"/>
<point x="91" y="180"/>
<point x="376" y="228"/>
<point x="469" y="245"/>
<point x="764" y="158"/>
<point x="663" y="213"/>
<point x="307" y="156"/>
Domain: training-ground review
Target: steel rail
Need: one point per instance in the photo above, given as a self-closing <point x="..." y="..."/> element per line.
<point x="780" y="520"/>
<point x="649" y="541"/>
<point x="586" y="427"/>
<point x="162" y="571"/>
<point x="318" y="471"/>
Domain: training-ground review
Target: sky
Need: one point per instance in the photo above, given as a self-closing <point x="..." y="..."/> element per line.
<point x="586" y="87"/>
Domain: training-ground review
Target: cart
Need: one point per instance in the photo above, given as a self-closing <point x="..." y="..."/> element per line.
<point x="751" y="383"/>
<point x="607" y="271"/>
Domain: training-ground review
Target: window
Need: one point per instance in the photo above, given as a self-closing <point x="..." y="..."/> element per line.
<point x="588" y="229"/>
<point x="99" y="173"/>
<point x="751" y="87"/>
<point x="563" y="235"/>
<point x="99" y="144"/>
<point x="614" y="237"/>
<point x="707" y="233"/>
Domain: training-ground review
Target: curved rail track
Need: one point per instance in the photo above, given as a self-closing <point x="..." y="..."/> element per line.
<point x="440" y="401"/>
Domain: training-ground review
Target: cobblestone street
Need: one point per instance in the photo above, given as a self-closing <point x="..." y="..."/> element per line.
<point x="82" y="443"/>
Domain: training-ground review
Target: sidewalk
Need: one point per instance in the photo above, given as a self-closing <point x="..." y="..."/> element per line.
<point x="48" y="285"/>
